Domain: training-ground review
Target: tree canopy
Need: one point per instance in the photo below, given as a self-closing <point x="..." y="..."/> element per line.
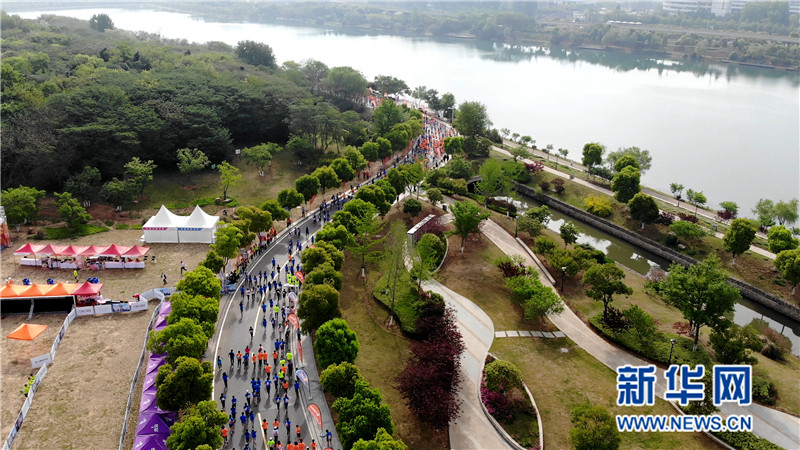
<point x="317" y="305"/>
<point x="626" y="184"/>
<point x="605" y="281"/>
<point x="255" y="53"/>
<point x="467" y="219"/>
<point x="471" y="119"/>
<point x="336" y="343"/>
<point x="739" y="236"/>
<point x="186" y="382"/>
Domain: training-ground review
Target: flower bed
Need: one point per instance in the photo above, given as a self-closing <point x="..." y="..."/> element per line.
<point x="506" y="400"/>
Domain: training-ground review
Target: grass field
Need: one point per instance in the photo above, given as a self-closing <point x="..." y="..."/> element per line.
<point x="560" y="380"/>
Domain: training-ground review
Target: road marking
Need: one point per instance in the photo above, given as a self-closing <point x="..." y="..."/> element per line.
<point x="263" y="435"/>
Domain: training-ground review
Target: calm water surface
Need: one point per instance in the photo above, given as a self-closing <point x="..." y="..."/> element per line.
<point x="731" y="132"/>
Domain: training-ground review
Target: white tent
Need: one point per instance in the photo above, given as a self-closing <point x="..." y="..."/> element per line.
<point x="163" y="227"/>
<point x="198" y="227"/>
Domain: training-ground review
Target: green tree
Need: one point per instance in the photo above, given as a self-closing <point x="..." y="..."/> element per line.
<point x="200" y="281"/>
<point x="324" y="274"/>
<point x="335" y="343"/>
<point x="644" y="208"/>
<point x="227" y="242"/>
<point x="626" y="184"/>
<point x="361" y="416"/>
<point x="185" y="383"/>
<point x="118" y="192"/>
<point x="355" y="158"/>
<point x="275" y="209"/>
<point x="739" y="237"/>
<point x="701" y="293"/>
<point x="520" y="152"/>
<point x="605" y="280"/>
<point x="343" y="169"/>
<point x="696" y="197"/>
<point x="765" y="211"/>
<point x="184" y="338"/>
<point x="307" y="186"/>
<point x="687" y="230"/>
<point x="101" y="22"/>
<point x="780" y="238"/>
<point x="730" y="207"/>
<point x="733" y="344"/>
<point x="676" y="190"/>
<point x="317" y="305"/>
<point x="203" y="310"/>
<point x="213" y="262"/>
<point x="459" y="167"/>
<point x="340" y="379"/>
<point x="367" y="226"/>
<point x="593" y="428"/>
<point x="453" y="145"/>
<point x="467" y="219"/>
<point x="592" y="154"/>
<point x="494" y="181"/>
<point x="642" y="158"/>
<point x="383" y="441"/>
<point x="384" y="149"/>
<point x="346" y="82"/>
<point x="290" y="199"/>
<point x="199" y="427"/>
<point x="563" y="152"/>
<point x="141" y="172"/>
<point x="569" y="233"/>
<point x="229" y="176"/>
<point x="397" y="178"/>
<point x="255" y="53"/>
<point x="314" y="257"/>
<point x="624" y="162"/>
<point x="260" y="155"/>
<point x="390" y="85"/>
<point x="471" y="119"/>
<point x="386" y="116"/>
<point x="336" y="235"/>
<point x="21" y="204"/>
<point x="191" y="160"/>
<point x="260" y="220"/>
<point x="412" y="207"/>
<point x="327" y="177"/>
<point x="84" y="185"/>
<point x="786" y="212"/>
<point x="434" y="196"/>
<point x="788" y="262"/>
<point x="71" y="210"/>
<point x="534" y="220"/>
<point x="642" y="323"/>
<point x="303" y="150"/>
<point x="370" y="150"/>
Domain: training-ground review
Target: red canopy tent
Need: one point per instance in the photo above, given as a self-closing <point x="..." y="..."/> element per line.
<point x="73" y="250"/>
<point x="29" y="249"/>
<point x="87" y="289"/>
<point x="51" y="249"/>
<point x="92" y="251"/>
<point x="136" y="252"/>
<point x="114" y="250"/>
<point x="27" y="332"/>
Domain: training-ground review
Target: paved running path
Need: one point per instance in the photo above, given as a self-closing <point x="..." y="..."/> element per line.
<point x="780" y="428"/>
<point x="472" y="429"/>
<point x="650" y="192"/>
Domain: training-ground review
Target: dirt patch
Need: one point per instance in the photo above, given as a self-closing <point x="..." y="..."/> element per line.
<point x="87" y="385"/>
<point x="117" y="284"/>
<point x="16" y="364"/>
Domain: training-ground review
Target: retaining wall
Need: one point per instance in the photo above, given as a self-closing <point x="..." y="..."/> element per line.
<point x="747" y="290"/>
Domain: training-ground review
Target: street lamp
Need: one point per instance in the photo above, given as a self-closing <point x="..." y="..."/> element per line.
<point x="672" y="345"/>
<point x="563" y="272"/>
<point x="516" y="225"/>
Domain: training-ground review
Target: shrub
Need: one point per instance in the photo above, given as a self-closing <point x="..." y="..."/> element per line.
<point x="122" y="226"/>
<point x="732" y="344"/>
<point x="642" y="323"/>
<point x="513" y="266"/>
<point x="597" y="205"/>
<point x="671" y="240"/>
<point x="778" y="345"/>
<point x="688" y="217"/>
<point x="432" y="249"/>
<point x="545" y="245"/>
<point x="497" y="404"/>
<point x="687" y="230"/>
<point x="544" y="185"/>
<point x="746" y="440"/>
<point x="764" y="391"/>
<point x="615" y="321"/>
<point x="412" y="207"/>
<point x="335" y="343"/>
<point x="558" y="185"/>
<point x="502" y="375"/>
<point x="665" y="218"/>
<point x="340" y="379"/>
<point x="593" y="428"/>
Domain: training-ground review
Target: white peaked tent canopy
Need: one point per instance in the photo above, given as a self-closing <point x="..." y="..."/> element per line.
<point x="163" y="227"/>
<point x="198" y="227"/>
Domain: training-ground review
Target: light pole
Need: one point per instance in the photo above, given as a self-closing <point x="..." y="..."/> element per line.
<point x="563" y="273"/>
<point x="672" y="345"/>
<point x="516" y="225"/>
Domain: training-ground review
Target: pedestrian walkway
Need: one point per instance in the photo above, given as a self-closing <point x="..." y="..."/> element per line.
<point x="650" y="192"/>
<point x="778" y="427"/>
<point x="536" y="334"/>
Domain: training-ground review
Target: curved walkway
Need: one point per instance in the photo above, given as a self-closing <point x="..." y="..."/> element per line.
<point x="472" y="429"/>
<point x="780" y="428"/>
<point x="648" y="191"/>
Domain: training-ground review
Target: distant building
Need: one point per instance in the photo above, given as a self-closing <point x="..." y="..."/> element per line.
<point x="719" y="8"/>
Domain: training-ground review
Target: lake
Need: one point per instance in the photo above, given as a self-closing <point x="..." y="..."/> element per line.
<point x="731" y="132"/>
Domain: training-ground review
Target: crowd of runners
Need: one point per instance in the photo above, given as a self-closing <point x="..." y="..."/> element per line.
<point x="272" y="369"/>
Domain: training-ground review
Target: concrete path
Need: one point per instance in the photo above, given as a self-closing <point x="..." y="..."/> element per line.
<point x="780" y="428"/>
<point x="472" y="429"/>
<point x="650" y="192"/>
<point x="523" y="333"/>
